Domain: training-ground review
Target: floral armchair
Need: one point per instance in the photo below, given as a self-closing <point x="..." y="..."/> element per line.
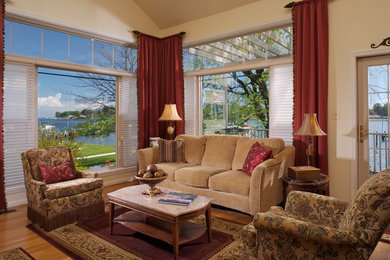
<point x="57" y="204"/>
<point x="313" y="226"/>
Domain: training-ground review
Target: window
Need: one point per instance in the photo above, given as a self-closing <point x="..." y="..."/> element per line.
<point x="269" y="44"/>
<point x="19" y="121"/>
<point x="59" y="46"/>
<point x="236" y="103"/>
<point x="79" y="110"/>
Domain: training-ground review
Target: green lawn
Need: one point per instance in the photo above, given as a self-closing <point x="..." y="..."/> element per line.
<point x="95" y="149"/>
<point x="92" y="149"/>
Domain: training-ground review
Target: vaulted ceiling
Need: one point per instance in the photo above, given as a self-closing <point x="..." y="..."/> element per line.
<point x="168" y="13"/>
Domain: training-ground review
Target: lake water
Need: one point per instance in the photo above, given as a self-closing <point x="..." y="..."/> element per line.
<point x="63" y="124"/>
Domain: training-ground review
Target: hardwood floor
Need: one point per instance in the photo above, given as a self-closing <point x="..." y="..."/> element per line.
<point x="13" y="232"/>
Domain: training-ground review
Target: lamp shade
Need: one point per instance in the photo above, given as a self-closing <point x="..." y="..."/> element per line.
<point x="170" y="113"/>
<point x="310" y="126"/>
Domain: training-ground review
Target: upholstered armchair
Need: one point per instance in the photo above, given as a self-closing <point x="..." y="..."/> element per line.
<point x="60" y="203"/>
<point x="313" y="226"/>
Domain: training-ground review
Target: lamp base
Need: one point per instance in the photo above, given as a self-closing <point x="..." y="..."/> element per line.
<point x="171" y="130"/>
<point x="310" y="151"/>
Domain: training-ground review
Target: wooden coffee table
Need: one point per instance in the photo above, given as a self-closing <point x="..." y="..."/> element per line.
<point x="161" y="221"/>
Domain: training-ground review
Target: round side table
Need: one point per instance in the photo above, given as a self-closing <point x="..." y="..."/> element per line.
<point x="319" y="186"/>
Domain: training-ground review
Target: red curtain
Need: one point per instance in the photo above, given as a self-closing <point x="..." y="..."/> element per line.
<point x="310" y="25"/>
<point x="160" y="81"/>
<point x="3" y="202"/>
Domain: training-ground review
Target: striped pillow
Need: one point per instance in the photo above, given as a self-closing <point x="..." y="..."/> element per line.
<point x="171" y="150"/>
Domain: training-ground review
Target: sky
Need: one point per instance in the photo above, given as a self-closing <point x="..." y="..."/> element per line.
<point x="56" y="93"/>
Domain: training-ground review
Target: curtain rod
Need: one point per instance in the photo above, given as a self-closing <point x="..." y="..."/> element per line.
<point x="289" y="5"/>
<point x="138" y="33"/>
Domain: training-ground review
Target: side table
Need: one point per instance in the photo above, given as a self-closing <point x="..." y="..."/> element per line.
<point x="319" y="186"/>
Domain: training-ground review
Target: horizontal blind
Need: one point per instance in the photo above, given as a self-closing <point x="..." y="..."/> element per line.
<point x="128" y="120"/>
<point x="19" y="119"/>
<point x="191" y="111"/>
<point x="281" y="102"/>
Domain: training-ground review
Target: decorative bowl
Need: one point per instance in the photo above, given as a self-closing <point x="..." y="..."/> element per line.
<point x="151" y="182"/>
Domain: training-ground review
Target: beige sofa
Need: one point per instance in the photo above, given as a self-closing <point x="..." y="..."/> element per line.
<point x="211" y="168"/>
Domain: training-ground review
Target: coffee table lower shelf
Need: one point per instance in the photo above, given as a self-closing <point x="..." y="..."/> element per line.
<point x="158" y="228"/>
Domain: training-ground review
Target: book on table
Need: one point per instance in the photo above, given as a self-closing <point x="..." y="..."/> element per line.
<point x="177" y="198"/>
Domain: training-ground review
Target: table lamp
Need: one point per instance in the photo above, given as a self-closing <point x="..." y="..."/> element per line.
<point x="170" y="114"/>
<point x="310" y="128"/>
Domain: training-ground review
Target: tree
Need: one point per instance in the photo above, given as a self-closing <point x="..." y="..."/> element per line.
<point x="251" y="96"/>
<point x="379" y="109"/>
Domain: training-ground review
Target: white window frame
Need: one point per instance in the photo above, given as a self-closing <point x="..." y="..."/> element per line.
<point x="233" y="68"/>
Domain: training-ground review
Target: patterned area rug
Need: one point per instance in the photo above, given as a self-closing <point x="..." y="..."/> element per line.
<point x="91" y="240"/>
<point x="386" y="235"/>
<point x="15" y="254"/>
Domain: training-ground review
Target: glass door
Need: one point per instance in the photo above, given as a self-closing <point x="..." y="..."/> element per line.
<point x="373" y="103"/>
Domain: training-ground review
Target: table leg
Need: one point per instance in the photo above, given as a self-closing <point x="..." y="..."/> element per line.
<point x="111" y="216"/>
<point x="175" y="235"/>
<point x="208" y="222"/>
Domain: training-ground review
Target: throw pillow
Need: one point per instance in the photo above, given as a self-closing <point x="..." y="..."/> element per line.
<point x="256" y="155"/>
<point x="171" y="150"/>
<point x="53" y="174"/>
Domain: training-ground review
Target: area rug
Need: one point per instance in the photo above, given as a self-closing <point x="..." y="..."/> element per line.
<point x="91" y="240"/>
<point x="15" y="254"/>
<point x="386" y="235"/>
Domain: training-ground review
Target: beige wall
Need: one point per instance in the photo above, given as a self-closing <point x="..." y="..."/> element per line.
<point x="353" y="26"/>
<point x="116" y="18"/>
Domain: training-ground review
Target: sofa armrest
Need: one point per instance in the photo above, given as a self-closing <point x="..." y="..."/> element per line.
<point x="147" y="156"/>
<point x="316" y="208"/>
<point x="265" y="186"/>
<point x="276" y="224"/>
<point x="36" y="190"/>
<point x="88" y="174"/>
<point x="287" y="155"/>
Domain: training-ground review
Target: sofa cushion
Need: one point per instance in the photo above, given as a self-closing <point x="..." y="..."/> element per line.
<point x="171" y="150"/>
<point x="256" y="155"/>
<point x="236" y="182"/>
<point x="193" y="148"/>
<point x="244" y="144"/>
<point x="52" y="174"/>
<point x="170" y="168"/>
<point x="72" y="187"/>
<point x="219" y="151"/>
<point x="197" y="176"/>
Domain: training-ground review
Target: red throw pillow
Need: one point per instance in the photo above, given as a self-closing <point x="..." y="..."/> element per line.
<point x="53" y="174"/>
<point x="256" y="155"/>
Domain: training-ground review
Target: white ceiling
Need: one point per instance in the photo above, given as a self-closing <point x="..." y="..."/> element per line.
<point x="168" y="13"/>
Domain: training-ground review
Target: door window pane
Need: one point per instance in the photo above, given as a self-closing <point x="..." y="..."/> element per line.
<point x="378" y="123"/>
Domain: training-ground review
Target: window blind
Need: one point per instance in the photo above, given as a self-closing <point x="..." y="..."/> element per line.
<point x="19" y="121"/>
<point x="281" y="102"/>
<point x="128" y="120"/>
<point x="191" y="101"/>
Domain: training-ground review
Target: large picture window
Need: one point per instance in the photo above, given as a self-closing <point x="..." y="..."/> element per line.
<point x="78" y="110"/>
<point x="236" y="103"/>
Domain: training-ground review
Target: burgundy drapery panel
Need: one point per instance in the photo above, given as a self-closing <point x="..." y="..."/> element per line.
<point x="3" y="202"/>
<point x="310" y="25"/>
<point x="160" y="81"/>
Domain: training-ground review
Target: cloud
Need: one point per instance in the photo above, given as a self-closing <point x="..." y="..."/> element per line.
<point x="50" y="101"/>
